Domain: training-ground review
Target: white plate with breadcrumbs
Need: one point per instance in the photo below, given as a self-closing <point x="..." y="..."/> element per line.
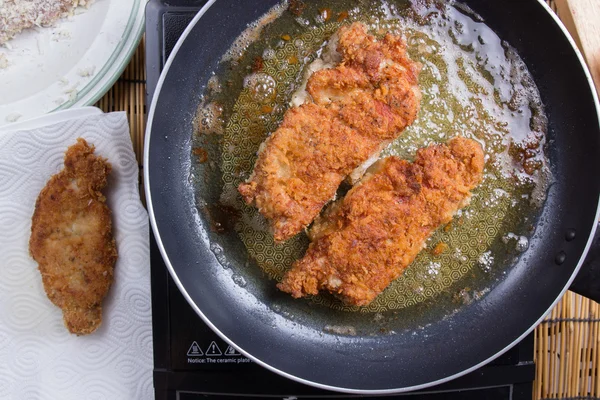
<point x="70" y="64"/>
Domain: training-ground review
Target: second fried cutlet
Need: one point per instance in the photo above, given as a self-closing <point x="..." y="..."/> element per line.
<point x="72" y="240"/>
<point x="357" y="108"/>
<point x="364" y="241"/>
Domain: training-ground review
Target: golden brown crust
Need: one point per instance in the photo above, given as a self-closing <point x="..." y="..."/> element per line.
<point x="72" y="240"/>
<point x="366" y="240"/>
<point x="363" y="103"/>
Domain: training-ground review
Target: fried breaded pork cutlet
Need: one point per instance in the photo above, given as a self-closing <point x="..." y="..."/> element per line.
<point x="357" y="108"/>
<point x="72" y="240"/>
<point x="364" y="241"/>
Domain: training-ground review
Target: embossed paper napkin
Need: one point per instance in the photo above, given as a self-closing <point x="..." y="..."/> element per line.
<point x="39" y="359"/>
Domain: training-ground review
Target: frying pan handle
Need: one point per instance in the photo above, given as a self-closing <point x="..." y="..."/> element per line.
<point x="587" y="281"/>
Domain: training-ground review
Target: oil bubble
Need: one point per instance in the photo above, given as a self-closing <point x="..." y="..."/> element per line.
<point x="268" y="54"/>
<point x="485" y="261"/>
<point x="262" y="87"/>
<point x="239" y="280"/>
<point x="522" y="244"/>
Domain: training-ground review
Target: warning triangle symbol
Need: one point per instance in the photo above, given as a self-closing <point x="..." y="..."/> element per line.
<point x="194" y="350"/>
<point x="231" y="352"/>
<point x="213" y="350"/>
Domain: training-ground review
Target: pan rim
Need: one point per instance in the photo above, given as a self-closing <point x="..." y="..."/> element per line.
<point x="191" y="302"/>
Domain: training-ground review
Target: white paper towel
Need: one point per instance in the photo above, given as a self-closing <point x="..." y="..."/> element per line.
<point x="39" y="358"/>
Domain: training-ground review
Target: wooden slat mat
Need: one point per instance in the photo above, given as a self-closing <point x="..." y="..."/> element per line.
<point x="567" y="350"/>
<point x="567" y="342"/>
<point x="129" y="94"/>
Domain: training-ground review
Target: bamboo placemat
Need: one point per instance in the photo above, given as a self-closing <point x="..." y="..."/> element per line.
<point x="129" y="94"/>
<point x="567" y="342"/>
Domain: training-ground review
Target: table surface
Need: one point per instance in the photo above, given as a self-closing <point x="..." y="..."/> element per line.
<point x="567" y="347"/>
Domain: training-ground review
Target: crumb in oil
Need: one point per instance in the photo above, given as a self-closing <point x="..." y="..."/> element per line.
<point x="201" y="154"/>
<point x="440" y="248"/>
<point x="258" y="64"/>
<point x="297" y="7"/>
<point x="325" y="14"/>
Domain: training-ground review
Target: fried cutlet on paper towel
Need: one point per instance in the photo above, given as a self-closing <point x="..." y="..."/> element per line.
<point x="72" y="240"/>
<point x="357" y="108"/>
<point x="364" y="241"/>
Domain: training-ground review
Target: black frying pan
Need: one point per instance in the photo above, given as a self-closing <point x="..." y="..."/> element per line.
<point x="410" y="353"/>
